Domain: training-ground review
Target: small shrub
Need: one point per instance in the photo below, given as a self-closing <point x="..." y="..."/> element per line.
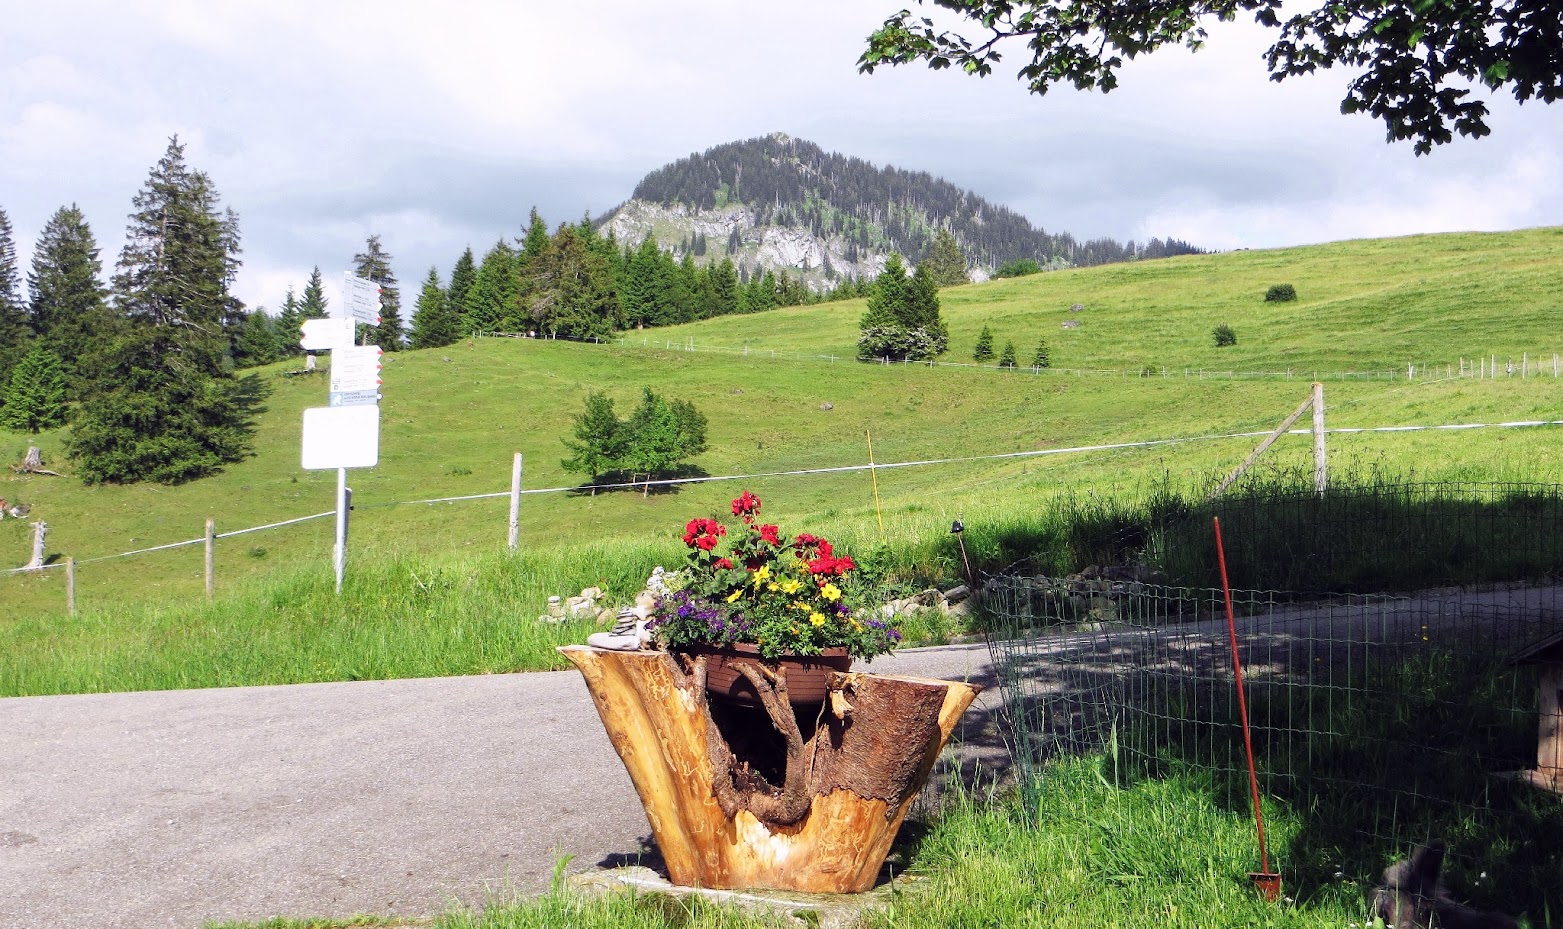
<point x="1280" y="293"/>
<point x="1018" y="268"/>
<point x="1224" y="336"/>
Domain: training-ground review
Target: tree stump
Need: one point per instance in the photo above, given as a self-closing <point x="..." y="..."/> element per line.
<point x="781" y="797"/>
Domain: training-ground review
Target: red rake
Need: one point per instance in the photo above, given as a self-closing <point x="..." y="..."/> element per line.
<point x="1268" y="882"/>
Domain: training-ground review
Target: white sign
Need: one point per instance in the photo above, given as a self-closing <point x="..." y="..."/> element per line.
<point x="326" y="334"/>
<point x="361" y="299"/>
<point x="351" y="397"/>
<point x="341" y="437"/>
<point x="355" y="369"/>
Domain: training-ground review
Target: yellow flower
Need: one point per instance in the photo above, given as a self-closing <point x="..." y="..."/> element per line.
<point x="762" y="574"/>
<point x="817" y="619"/>
<point x="830" y="592"/>
<point x="791" y="585"/>
<point x="772" y="586"/>
<point x="735" y="595"/>
<point x="800" y="605"/>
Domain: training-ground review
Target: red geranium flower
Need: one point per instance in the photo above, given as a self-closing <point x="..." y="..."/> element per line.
<point x="770" y="534"/>
<point x="746" y="504"/>
<point x="724" y="563"/>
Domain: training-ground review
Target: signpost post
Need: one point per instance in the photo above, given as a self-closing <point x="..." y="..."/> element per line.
<point x="345" y="434"/>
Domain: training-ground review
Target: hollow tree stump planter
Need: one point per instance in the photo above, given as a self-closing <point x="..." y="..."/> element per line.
<point x="846" y="781"/>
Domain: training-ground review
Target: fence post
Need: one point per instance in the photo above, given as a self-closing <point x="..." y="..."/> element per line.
<point x="70" y="586"/>
<point x="1319" y="473"/>
<point x="40" y="529"/>
<point x="515" y="502"/>
<point x="211" y="545"/>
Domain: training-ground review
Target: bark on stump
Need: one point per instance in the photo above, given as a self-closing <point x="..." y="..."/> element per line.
<point x="719" y="821"/>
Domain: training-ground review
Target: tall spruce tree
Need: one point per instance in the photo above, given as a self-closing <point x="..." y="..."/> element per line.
<point x="433" y="323"/>
<point x="65" y="294"/>
<point x="14" y="331"/>
<point x="945" y="260"/>
<point x="574" y="295"/>
<point x="495" y="291"/>
<point x="374" y="263"/>
<point x="462" y="277"/>
<point x="163" y="403"/>
<point x="34" y="396"/>
<point x="536" y="238"/>
<point x="289" y="326"/>
<point x="313" y="303"/>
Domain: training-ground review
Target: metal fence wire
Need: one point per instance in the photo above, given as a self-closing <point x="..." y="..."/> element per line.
<point x="1380" y="721"/>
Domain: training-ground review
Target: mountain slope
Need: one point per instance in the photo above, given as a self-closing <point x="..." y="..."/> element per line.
<point x="778" y="202"/>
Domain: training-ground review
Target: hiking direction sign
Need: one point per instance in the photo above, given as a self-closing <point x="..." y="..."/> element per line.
<point x="361" y="299"/>
<point x="355" y="375"/>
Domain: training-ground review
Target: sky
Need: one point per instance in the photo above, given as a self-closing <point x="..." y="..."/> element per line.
<point x="439" y="125"/>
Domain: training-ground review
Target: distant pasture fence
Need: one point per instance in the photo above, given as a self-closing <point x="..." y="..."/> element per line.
<point x="209" y="537"/>
<point x="1482" y="367"/>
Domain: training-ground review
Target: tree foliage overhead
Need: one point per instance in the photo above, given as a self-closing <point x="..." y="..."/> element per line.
<point x="1415" y="61"/>
<point x="795" y="183"/>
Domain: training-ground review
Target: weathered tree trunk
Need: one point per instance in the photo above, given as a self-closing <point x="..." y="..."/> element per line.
<point x="32" y="463"/>
<point x="846" y="784"/>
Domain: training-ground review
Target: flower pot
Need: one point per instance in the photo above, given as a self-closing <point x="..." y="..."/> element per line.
<point x="807" y="675"/>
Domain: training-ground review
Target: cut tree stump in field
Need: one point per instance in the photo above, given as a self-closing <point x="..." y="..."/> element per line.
<point x="32" y="463"/>
<point x="806" y="798"/>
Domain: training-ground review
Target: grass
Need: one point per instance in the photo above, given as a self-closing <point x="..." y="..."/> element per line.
<point x="454" y="416"/>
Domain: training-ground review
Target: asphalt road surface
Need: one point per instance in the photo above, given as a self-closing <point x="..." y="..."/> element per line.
<point x="174" y="808"/>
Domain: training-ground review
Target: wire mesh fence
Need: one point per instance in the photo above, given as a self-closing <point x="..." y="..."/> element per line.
<point x="1379" y="721"/>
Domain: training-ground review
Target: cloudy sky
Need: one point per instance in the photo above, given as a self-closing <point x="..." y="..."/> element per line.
<point x="438" y="125"/>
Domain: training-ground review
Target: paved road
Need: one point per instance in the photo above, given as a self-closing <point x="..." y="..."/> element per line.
<point x="172" y="808"/>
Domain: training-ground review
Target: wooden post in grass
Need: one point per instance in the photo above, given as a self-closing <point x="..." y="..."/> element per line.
<point x="515" y="502"/>
<point x="211" y="546"/>
<point x="1319" y="473"/>
<point x="718" y="821"/>
<point x="70" y="586"/>
<point x="40" y="530"/>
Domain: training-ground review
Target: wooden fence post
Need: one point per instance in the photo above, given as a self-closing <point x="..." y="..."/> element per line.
<point x="211" y="545"/>
<point x="1319" y="473"/>
<point x="70" y="586"/>
<point x="515" y="502"/>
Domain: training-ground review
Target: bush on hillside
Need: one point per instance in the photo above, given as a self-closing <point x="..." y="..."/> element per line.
<point x="1224" y="336"/>
<point x="1280" y="293"/>
<point x="1019" y="268"/>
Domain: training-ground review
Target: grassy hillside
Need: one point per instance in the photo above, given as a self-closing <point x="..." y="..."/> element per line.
<point x="453" y="416"/>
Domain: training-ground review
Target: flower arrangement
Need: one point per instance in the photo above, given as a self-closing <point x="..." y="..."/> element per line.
<point x="787" y="596"/>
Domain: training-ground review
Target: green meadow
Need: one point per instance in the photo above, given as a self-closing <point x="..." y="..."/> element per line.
<point x="453" y="417"/>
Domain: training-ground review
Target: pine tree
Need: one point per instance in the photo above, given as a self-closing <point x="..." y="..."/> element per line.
<point x="600" y="439"/>
<point x="536" y="239"/>
<point x="492" y="299"/>
<point x="374" y="263"/>
<point x="574" y="295"/>
<point x="164" y="405"/>
<point x="433" y="324"/>
<point x="66" y="297"/>
<point x="35" y="394"/>
<point x="1044" y="357"/>
<point x="461" y="279"/>
<point x="313" y="304"/>
<point x="14" y="331"/>
<point x="1007" y="356"/>
<point x="945" y="261"/>
<point x="289" y="326"/>
<point x="724" y="287"/>
<point x="984" y="349"/>
<point x="258" y="341"/>
<point x="920" y="308"/>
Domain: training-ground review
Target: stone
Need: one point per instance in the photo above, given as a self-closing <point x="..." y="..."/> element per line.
<point x="1071" y="324"/>
<point x="827" y="406"/>
<point x="957" y="593"/>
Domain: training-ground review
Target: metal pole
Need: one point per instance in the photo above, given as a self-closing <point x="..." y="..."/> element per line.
<point x="211" y="545"/>
<point x="339" y="554"/>
<point x="1318" y="438"/>
<point x="515" y="502"/>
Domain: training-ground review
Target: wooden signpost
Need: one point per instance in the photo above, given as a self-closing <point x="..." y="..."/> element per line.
<point x="780" y="797"/>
